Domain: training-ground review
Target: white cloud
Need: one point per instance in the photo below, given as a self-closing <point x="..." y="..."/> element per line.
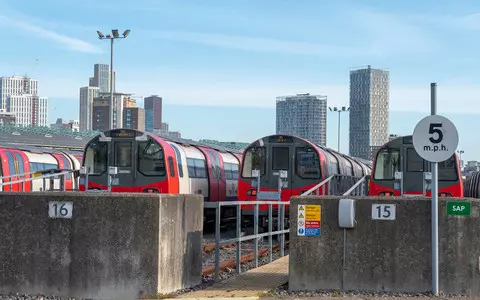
<point x="200" y="87"/>
<point x="388" y="33"/>
<point x="452" y="98"/>
<point x="69" y="42"/>
<point x="260" y="44"/>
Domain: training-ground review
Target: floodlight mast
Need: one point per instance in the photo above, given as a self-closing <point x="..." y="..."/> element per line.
<point x="112" y="37"/>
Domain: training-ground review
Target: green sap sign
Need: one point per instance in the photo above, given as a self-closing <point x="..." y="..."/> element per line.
<point x="458" y="208"/>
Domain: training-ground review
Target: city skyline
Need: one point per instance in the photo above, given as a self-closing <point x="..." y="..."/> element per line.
<point x="223" y="54"/>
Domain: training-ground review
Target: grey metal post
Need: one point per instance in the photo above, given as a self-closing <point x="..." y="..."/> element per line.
<point x="217" y="241"/>
<point x="434" y="189"/>
<point x="255" y="232"/>
<point x="239" y="233"/>
<point x="111" y="84"/>
<point x="338" y="142"/>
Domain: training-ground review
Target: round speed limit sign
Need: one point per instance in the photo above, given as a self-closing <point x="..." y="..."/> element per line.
<point x="435" y="138"/>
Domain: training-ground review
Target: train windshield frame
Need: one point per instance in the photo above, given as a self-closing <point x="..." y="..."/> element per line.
<point x="389" y="158"/>
<point x="254" y="158"/>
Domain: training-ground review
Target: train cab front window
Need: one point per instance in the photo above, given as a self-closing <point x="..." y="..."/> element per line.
<point x="387" y="162"/>
<point x="151" y="159"/>
<point x="307" y="163"/>
<point x="280" y="158"/>
<point x="447" y="170"/>
<point x="255" y="159"/>
<point x="414" y="162"/>
<point x="123" y="154"/>
<point x="96" y="157"/>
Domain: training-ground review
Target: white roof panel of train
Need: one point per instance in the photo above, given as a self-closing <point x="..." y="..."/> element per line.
<point x="192" y="152"/>
<point x="42" y="158"/>
<point x="229" y="158"/>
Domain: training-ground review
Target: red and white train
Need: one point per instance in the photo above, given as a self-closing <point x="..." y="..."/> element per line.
<point x="305" y="163"/>
<point x="147" y="163"/>
<point x="18" y="161"/>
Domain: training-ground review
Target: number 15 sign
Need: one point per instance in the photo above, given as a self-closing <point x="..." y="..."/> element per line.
<point x="383" y="211"/>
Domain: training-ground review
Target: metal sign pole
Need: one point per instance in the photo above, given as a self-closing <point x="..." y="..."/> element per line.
<point x="435" y="139"/>
<point x="434" y="189"/>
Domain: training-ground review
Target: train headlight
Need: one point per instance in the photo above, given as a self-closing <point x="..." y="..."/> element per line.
<point x="252" y="192"/>
<point x="386" y="194"/>
<point x="445" y="195"/>
<point x="150" y="191"/>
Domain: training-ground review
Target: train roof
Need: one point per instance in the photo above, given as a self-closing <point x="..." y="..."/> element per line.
<point x="195" y="143"/>
<point x="43" y="137"/>
<point x="281" y="136"/>
<point x="29" y="148"/>
<point x="187" y="142"/>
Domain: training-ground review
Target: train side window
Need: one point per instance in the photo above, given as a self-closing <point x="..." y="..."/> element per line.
<point x="34" y="167"/>
<point x="447" y="170"/>
<point x="234" y="171"/>
<point x="307" y="163"/>
<point x="280" y="158"/>
<point x="213" y="163"/>
<point x="123" y="154"/>
<point x="191" y="167"/>
<point x="21" y="170"/>
<point x="200" y="168"/>
<point x="11" y="164"/>
<point x="179" y="160"/>
<point x="171" y="166"/>
<point x="49" y="166"/>
<point x="414" y="162"/>
<point x="254" y="159"/>
<point x="217" y="159"/>
<point x="151" y="161"/>
<point x="387" y="162"/>
<point x="96" y="157"/>
<point x="228" y="171"/>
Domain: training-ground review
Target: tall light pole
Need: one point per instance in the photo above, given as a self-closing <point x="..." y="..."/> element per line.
<point x="112" y="37"/>
<point x="339" y="110"/>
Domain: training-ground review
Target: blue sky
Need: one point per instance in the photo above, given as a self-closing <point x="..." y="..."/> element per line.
<point x="230" y="59"/>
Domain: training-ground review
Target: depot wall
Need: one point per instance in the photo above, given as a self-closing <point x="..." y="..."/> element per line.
<point x="386" y="255"/>
<point x="115" y="246"/>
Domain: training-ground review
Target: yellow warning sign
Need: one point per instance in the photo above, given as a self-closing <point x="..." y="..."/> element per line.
<point x="301" y="208"/>
<point x="312" y="213"/>
<point x="301" y="216"/>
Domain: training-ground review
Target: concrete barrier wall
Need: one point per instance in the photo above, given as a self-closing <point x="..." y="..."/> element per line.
<point x="386" y="255"/>
<point x="115" y="246"/>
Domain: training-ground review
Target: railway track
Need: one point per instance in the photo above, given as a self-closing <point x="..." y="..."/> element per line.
<point x="228" y="253"/>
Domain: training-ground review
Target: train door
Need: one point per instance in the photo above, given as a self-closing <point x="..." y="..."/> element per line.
<point x="23" y="168"/>
<point x="13" y="168"/>
<point x="123" y="158"/>
<point x="281" y="159"/>
<point x="413" y="171"/>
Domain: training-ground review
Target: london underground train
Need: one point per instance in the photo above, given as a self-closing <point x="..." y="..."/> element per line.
<point x="147" y="163"/>
<point x="399" y="155"/>
<point x="306" y="165"/>
<point x="18" y="160"/>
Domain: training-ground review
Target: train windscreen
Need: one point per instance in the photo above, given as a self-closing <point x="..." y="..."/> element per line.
<point x="387" y="162"/>
<point x="447" y="170"/>
<point x="96" y="157"/>
<point x="151" y="159"/>
<point x="123" y="154"/>
<point x="307" y="163"/>
<point x="255" y="159"/>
